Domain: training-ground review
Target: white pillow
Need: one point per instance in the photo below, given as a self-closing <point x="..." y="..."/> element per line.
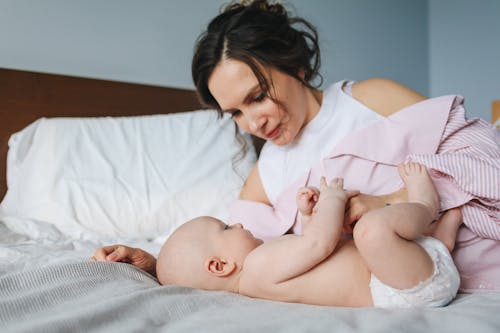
<point x="137" y="177"/>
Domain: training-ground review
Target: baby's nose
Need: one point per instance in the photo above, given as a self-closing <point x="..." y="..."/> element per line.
<point x="238" y="225"/>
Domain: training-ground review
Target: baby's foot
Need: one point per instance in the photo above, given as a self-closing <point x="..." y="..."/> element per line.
<point x="420" y="186"/>
<point x="306" y="199"/>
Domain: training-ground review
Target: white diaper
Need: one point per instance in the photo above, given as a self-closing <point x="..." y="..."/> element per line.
<point x="438" y="290"/>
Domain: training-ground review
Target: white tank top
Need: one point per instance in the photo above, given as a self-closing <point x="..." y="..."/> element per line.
<point x="339" y="115"/>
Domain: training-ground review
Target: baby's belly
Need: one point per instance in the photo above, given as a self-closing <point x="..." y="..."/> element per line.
<point x="341" y="280"/>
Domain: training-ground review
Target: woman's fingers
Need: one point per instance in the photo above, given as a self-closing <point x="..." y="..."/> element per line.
<point x="352" y="193"/>
<point x="122" y="253"/>
<point x="100" y="254"/>
<point x="110" y="253"/>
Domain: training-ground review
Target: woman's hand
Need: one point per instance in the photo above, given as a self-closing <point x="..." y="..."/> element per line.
<point x="361" y="204"/>
<point x="122" y="253"/>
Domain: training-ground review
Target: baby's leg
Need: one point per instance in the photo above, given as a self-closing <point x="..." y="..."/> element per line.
<point x="384" y="237"/>
<point x="446" y="228"/>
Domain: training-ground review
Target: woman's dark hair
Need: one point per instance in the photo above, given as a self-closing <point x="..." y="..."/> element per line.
<point x="256" y="32"/>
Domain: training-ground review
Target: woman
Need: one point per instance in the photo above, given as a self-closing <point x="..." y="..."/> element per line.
<point x="271" y="95"/>
<point x="259" y="65"/>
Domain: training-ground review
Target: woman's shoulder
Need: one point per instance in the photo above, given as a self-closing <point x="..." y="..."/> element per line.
<point x="385" y="96"/>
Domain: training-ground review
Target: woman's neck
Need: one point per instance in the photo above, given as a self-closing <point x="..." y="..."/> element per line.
<point x="315" y="98"/>
<point x="318" y="95"/>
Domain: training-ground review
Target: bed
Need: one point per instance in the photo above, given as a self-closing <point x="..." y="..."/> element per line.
<point x="94" y="162"/>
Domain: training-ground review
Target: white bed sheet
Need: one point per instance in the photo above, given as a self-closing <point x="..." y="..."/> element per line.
<point x="38" y="244"/>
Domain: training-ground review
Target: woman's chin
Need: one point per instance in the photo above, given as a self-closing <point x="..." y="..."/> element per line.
<point x="282" y="140"/>
<point x="279" y="141"/>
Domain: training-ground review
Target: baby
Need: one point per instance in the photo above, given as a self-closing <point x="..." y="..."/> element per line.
<point x="388" y="263"/>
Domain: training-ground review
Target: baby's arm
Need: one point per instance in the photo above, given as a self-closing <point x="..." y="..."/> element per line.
<point x="292" y="255"/>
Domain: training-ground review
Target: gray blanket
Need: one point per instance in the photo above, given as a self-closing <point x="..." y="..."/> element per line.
<point x="116" y="297"/>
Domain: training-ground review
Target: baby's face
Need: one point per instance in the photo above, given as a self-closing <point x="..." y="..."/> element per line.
<point x="182" y="259"/>
<point x="232" y="238"/>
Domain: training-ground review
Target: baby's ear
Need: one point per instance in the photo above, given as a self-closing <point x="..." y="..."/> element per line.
<point x="219" y="267"/>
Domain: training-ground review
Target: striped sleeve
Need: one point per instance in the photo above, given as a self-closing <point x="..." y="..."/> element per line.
<point x="468" y="159"/>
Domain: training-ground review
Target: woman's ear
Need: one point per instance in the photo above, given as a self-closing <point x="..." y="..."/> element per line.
<point x="219" y="267"/>
<point x="302" y="73"/>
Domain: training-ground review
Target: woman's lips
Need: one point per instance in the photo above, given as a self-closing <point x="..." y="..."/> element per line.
<point x="273" y="133"/>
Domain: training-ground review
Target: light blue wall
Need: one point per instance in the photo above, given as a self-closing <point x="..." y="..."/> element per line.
<point x="464" y="48"/>
<point x="434" y="46"/>
<point x="372" y="38"/>
<point x="147" y="41"/>
<point x="151" y="41"/>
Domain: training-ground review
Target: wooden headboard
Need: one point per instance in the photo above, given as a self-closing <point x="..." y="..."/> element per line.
<point x="27" y="96"/>
<point x="495" y="111"/>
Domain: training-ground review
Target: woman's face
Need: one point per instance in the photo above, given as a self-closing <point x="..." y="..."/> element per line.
<point x="237" y="91"/>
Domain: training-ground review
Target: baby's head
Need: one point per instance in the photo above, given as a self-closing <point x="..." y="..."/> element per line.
<point x="205" y="253"/>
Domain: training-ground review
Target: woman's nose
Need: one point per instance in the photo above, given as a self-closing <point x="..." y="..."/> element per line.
<point x="254" y="126"/>
<point x="255" y="121"/>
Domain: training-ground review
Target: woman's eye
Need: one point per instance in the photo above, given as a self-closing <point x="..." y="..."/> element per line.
<point x="226" y="227"/>
<point x="260" y="97"/>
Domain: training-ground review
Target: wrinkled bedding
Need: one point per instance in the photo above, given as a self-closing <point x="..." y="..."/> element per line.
<point x="47" y="285"/>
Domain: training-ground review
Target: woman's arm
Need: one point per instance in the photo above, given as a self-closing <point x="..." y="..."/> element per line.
<point x="359" y="205"/>
<point x="385" y="96"/>
<point x="252" y="189"/>
<point x="255" y="211"/>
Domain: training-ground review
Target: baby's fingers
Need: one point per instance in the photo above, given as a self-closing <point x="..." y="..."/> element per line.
<point x="314" y="193"/>
<point x="322" y="184"/>
<point x="303" y="190"/>
<point x="335" y="183"/>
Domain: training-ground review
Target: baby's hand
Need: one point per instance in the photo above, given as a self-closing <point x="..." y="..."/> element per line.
<point x="122" y="253"/>
<point x="306" y="199"/>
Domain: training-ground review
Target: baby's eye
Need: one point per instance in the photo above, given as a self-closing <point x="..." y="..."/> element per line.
<point x="260" y="97"/>
<point x="226" y="227"/>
